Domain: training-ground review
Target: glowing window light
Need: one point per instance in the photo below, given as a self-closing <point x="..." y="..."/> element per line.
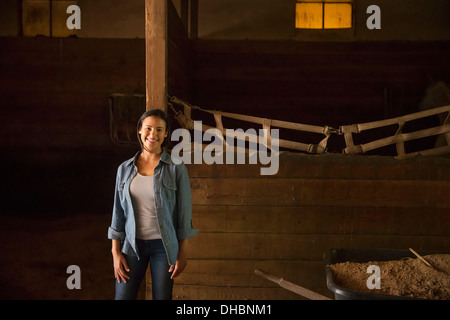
<point x="323" y="15"/>
<point x="337" y="15"/>
<point x="309" y="15"/>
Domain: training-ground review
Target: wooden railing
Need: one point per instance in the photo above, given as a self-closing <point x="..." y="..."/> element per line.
<point x="184" y="118"/>
<point x="398" y="139"/>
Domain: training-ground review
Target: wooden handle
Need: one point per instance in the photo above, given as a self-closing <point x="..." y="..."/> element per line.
<point x="291" y="287"/>
<point x="421" y="258"/>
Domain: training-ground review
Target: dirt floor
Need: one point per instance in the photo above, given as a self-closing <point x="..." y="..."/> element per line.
<point x="37" y="250"/>
<point x="407" y="277"/>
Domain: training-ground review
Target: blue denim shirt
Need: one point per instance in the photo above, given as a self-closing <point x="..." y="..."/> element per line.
<point x="173" y="206"/>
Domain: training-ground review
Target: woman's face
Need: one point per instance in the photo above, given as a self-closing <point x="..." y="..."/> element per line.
<point x="153" y="132"/>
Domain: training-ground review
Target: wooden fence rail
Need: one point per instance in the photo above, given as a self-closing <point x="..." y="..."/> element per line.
<point x="399" y="138"/>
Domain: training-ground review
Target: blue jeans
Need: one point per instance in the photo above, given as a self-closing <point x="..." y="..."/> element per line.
<point x="153" y="252"/>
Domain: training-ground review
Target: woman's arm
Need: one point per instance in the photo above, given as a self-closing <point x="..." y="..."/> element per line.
<point x="117" y="227"/>
<point x="185" y="230"/>
<point x="120" y="263"/>
<point x="181" y="263"/>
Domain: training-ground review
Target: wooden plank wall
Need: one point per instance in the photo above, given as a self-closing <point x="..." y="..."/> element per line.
<point x="58" y="89"/>
<point x="54" y="107"/>
<point x="283" y="224"/>
<point x="179" y="53"/>
<point x="319" y="83"/>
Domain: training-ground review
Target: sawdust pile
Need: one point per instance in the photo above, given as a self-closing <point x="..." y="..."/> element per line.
<point x="407" y="277"/>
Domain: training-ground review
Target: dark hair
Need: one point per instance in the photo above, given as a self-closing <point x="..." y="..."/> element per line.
<point x="154" y="113"/>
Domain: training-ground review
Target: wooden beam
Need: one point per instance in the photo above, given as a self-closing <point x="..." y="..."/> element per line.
<point x="184" y="14"/>
<point x="156" y="54"/>
<point x="194" y="19"/>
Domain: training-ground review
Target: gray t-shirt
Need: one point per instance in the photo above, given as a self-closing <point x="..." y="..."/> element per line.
<point x="143" y="199"/>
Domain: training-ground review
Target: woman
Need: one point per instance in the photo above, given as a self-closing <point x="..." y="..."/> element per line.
<point x="152" y="217"/>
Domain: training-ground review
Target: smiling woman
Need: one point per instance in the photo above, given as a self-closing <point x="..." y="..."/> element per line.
<point x="152" y="212"/>
<point x="152" y="132"/>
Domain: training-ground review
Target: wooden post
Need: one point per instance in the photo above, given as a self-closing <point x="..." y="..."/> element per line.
<point x="194" y="19"/>
<point x="184" y="14"/>
<point x="156" y="54"/>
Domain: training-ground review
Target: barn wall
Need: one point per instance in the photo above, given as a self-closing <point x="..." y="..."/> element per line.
<point x="54" y="106"/>
<point x="316" y="83"/>
<point x="46" y="83"/>
<point x="54" y="92"/>
<point x="55" y="133"/>
<point x="283" y="224"/>
<point x="412" y="20"/>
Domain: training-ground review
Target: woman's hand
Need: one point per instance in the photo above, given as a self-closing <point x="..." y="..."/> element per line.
<point x="120" y="263"/>
<point x="178" y="268"/>
<point x="120" y="267"/>
<point x="181" y="263"/>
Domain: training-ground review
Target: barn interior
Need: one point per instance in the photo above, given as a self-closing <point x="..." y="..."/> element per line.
<point x="70" y="99"/>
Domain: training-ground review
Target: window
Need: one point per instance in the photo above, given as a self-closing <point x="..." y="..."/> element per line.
<point x="46" y="18"/>
<point x="323" y="14"/>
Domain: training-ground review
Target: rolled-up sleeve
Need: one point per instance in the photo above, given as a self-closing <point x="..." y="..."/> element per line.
<point x="184" y="230"/>
<point x="115" y="235"/>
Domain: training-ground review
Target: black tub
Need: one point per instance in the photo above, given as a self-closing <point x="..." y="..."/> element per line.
<point x="333" y="256"/>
